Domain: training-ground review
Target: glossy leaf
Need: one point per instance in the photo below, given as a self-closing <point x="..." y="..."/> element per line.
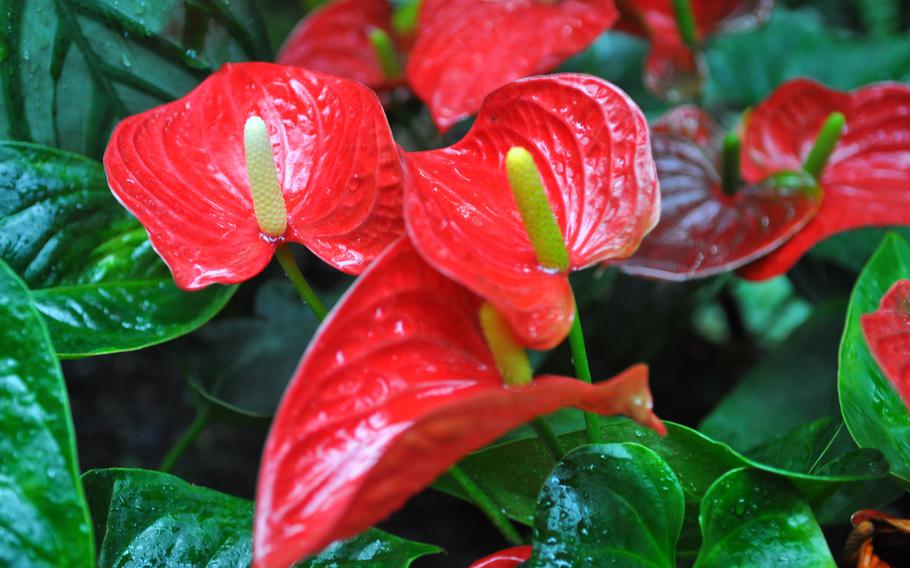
<point x="70" y="70"/>
<point x="149" y="518"/>
<point x="510" y="558"/>
<point x="887" y="333"/>
<point x="181" y="170"/>
<point x="672" y="70"/>
<point x="750" y="518"/>
<point x="466" y="49"/>
<point x="591" y="144"/>
<point x="399" y="373"/>
<point x="93" y="275"/>
<point x="43" y="518"/>
<point x="335" y="39"/>
<point x="703" y="231"/>
<point x="872" y="410"/>
<point x="610" y="504"/>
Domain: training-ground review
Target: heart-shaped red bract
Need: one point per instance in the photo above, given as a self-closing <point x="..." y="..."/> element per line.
<point x="591" y="144"/>
<point x="703" y="231"/>
<point x="887" y="331"/>
<point x="464" y="49"/>
<point x="335" y="39"/>
<point x="671" y="69"/>
<point x="180" y="169"/>
<point x="867" y="179"/>
<point x="396" y="387"/>
<point x="509" y="558"/>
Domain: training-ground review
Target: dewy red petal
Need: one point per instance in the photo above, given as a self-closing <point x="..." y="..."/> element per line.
<point x="509" y="558"/>
<point x="867" y="179"/>
<point x="335" y="39"/>
<point x="591" y="144"/>
<point x="887" y="331"/>
<point x="703" y="231"/>
<point x="180" y="169"/>
<point x="465" y="49"/>
<point x="398" y="374"/>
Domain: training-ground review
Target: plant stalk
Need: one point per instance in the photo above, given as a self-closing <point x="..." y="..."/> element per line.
<point x="685" y="22"/>
<point x="583" y="370"/>
<point x="196" y="427"/>
<point x="309" y="297"/>
<point x="549" y="437"/>
<point x="730" y="164"/>
<point x="486" y="505"/>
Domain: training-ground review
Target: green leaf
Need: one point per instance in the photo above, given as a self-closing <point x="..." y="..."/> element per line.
<point x="751" y="518"/>
<point x="43" y="514"/>
<point x="93" y="274"/>
<point x="610" y="504"/>
<point x="744" y="68"/>
<point x="149" y="518"/>
<point x="852" y="249"/>
<point x="873" y="411"/>
<point x="793" y="384"/>
<point x="73" y="68"/>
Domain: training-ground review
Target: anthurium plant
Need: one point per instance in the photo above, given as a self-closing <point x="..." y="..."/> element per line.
<point x="556" y="283"/>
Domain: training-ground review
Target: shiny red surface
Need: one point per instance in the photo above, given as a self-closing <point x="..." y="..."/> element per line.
<point x="703" y="231"/>
<point x="464" y="49"/>
<point x="335" y="39"/>
<point x="671" y="69"/>
<point x="509" y="558"/>
<point x="395" y="388"/>
<point x="867" y="180"/>
<point x="180" y="169"/>
<point x="887" y="332"/>
<point x="591" y="144"/>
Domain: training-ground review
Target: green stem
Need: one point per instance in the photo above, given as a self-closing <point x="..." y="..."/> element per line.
<point x="386" y="54"/>
<point x="685" y="22"/>
<point x="309" y="297"/>
<point x="828" y="136"/>
<point x="192" y="432"/>
<point x="486" y="505"/>
<point x="583" y="370"/>
<point x="730" y="163"/>
<point x="549" y="438"/>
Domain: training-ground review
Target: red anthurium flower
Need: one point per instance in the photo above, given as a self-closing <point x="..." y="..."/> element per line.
<point x="509" y="558"/>
<point x="703" y="230"/>
<point x="464" y="49"/>
<point x="591" y="144"/>
<point x="672" y="69"/>
<point x="335" y="39"/>
<point x="887" y="332"/>
<point x="395" y="388"/>
<point x="318" y="147"/>
<point x="867" y="179"/>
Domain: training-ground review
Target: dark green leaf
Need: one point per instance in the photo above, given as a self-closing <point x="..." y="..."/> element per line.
<point x="751" y="518"/>
<point x="610" y="504"/>
<point x="149" y="518"/>
<point x="92" y="272"/>
<point x="43" y="515"/>
<point x="873" y="411"/>
<point x="74" y="67"/>
<point x="744" y="68"/>
<point x="852" y="249"/>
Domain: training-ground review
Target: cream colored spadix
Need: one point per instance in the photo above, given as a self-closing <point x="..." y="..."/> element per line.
<point x="268" y="202"/>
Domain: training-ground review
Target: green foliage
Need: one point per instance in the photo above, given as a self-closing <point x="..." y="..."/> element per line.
<point x="93" y="273"/>
<point x="43" y="515"/>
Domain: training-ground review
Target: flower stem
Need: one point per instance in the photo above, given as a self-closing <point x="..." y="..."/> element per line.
<point x="386" y="54"/>
<point x="583" y="370"/>
<point x="685" y="22"/>
<point x="730" y="164"/>
<point x="189" y="436"/>
<point x="827" y="139"/>
<point x="549" y="438"/>
<point x="486" y="505"/>
<point x="309" y="297"/>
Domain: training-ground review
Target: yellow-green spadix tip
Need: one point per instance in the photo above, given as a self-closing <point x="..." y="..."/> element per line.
<point x="509" y="356"/>
<point x="268" y="201"/>
<point x="536" y="214"/>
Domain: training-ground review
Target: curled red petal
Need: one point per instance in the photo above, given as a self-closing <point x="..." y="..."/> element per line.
<point x="335" y="39"/>
<point x="702" y="231"/>
<point x="887" y="331"/>
<point x="867" y="179"/>
<point x="591" y="144"/>
<point x="509" y="558"/>
<point x="465" y="49"/>
<point x="397" y="385"/>
<point x="180" y="169"/>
